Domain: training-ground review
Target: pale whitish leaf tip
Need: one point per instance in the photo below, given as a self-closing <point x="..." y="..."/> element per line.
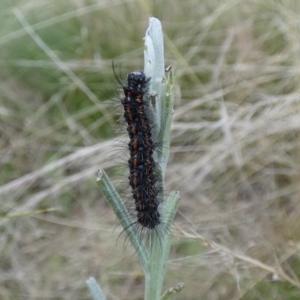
<point x="99" y="175"/>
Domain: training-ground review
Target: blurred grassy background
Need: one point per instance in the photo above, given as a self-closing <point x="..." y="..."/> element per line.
<point x="234" y="157"/>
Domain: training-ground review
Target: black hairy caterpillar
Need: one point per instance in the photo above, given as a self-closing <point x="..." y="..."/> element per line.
<point x="144" y="175"/>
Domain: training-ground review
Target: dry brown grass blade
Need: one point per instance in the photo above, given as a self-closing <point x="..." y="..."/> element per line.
<point x="31" y="177"/>
<point x="277" y="270"/>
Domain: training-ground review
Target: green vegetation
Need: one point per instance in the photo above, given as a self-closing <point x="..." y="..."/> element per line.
<point x="234" y="153"/>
